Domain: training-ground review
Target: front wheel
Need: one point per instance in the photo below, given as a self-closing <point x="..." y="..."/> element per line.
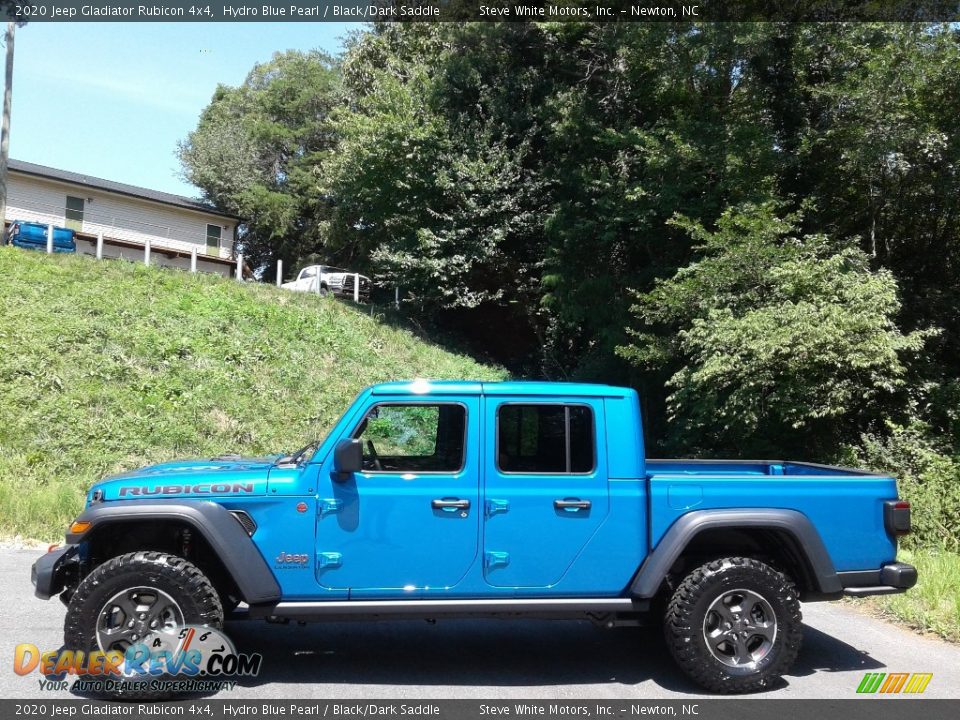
<point x="140" y="597"/>
<point x="734" y="625"/>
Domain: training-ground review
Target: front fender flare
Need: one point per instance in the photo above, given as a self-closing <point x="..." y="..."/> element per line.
<point x="658" y="563"/>
<point x="226" y="537"/>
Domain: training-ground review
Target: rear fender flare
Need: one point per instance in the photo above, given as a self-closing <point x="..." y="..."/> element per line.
<point x="651" y="574"/>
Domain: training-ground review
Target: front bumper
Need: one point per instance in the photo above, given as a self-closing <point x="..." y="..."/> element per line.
<point x="892" y="578"/>
<point x="347" y="294"/>
<point x="50" y="572"/>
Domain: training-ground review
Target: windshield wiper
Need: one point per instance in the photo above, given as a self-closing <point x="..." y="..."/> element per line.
<point x="295" y="458"/>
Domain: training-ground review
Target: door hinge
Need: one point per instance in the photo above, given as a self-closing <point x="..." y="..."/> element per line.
<point x="329" y="560"/>
<point x="327" y="506"/>
<point x="495" y="559"/>
<point x="493" y="507"/>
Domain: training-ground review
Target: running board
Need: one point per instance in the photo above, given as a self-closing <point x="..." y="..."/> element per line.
<point x="410" y="609"/>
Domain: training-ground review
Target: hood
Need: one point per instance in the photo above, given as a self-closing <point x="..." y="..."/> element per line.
<point x="229" y="475"/>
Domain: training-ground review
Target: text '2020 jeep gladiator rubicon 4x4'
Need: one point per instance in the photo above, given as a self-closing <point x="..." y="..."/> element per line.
<point x="452" y="499"/>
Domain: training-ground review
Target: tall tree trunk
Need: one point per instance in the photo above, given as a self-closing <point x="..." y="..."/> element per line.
<point x="5" y="129"/>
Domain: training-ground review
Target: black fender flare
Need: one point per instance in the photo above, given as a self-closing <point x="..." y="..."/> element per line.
<point x="654" y="569"/>
<point x="222" y="531"/>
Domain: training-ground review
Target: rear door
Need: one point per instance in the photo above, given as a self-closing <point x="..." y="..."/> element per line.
<point x="546" y="490"/>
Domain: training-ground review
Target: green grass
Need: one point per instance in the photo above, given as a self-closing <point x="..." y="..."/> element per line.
<point x="934" y="604"/>
<point x="107" y="366"/>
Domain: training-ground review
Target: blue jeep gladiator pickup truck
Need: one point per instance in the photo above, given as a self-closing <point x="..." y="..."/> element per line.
<point x="514" y="499"/>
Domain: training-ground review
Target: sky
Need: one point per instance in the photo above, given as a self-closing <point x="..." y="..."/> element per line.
<point x="113" y="99"/>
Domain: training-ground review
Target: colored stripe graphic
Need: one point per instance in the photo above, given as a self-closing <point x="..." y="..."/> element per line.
<point x="918" y="682"/>
<point x="870" y="682"/>
<point x="894" y="682"/>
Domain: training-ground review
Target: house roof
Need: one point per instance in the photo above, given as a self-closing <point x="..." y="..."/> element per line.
<point x="42" y="171"/>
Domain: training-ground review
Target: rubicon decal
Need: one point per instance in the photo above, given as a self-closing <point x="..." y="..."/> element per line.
<point x="893" y="683"/>
<point x="199" y="489"/>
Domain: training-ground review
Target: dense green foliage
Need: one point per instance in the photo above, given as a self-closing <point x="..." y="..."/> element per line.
<point x="110" y="366"/>
<point x="926" y="474"/>
<point x="757" y="225"/>
<point x="783" y="343"/>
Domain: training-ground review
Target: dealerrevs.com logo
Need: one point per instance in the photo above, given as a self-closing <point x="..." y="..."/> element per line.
<point x="189" y="659"/>
<point x="894" y="683"/>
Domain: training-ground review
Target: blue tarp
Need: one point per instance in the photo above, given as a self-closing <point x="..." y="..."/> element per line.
<point x="34" y="236"/>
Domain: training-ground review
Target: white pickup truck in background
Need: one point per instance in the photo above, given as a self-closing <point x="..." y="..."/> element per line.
<point x="329" y="280"/>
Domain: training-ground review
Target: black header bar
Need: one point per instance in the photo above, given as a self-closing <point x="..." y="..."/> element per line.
<point x="485" y="11"/>
<point x="894" y="708"/>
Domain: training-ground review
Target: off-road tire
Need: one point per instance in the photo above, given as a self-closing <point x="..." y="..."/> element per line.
<point x="684" y="624"/>
<point x="183" y="581"/>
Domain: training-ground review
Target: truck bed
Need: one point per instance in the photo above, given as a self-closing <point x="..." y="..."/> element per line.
<point x="845" y="505"/>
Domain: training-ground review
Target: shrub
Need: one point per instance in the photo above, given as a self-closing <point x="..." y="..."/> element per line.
<point x="928" y="476"/>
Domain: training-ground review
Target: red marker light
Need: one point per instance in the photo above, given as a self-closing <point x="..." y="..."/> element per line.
<point x="301" y="507"/>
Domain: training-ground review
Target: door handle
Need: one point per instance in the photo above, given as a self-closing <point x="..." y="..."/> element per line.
<point x="450" y="504"/>
<point x="572" y="504"/>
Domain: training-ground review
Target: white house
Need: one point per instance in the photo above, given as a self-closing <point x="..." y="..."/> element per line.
<point x="126" y="215"/>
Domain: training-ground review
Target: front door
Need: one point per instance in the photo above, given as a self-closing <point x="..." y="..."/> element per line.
<point x="409" y="522"/>
<point x="546" y="488"/>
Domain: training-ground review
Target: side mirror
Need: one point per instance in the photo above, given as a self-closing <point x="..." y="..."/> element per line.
<point x="347" y="459"/>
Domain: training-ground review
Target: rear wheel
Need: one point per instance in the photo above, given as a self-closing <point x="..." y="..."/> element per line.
<point x="734" y="625"/>
<point x="139" y="596"/>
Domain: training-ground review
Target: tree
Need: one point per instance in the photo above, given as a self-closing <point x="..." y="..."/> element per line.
<point x="518" y="180"/>
<point x="522" y="175"/>
<point x="878" y="158"/>
<point x="778" y="343"/>
<point x="255" y="151"/>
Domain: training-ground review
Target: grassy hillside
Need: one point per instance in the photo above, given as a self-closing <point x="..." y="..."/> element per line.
<point x="108" y="366"/>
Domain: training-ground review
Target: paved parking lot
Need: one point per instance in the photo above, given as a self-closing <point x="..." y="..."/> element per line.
<point x="495" y="659"/>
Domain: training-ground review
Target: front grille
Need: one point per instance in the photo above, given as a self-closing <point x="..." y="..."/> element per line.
<point x="348" y="284"/>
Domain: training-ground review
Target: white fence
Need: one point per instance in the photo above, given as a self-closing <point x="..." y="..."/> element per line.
<point x="147" y="250"/>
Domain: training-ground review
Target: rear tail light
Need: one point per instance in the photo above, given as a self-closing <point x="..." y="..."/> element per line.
<point x="896" y="517"/>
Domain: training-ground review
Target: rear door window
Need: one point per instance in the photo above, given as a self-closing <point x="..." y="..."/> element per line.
<point x="545" y="439"/>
